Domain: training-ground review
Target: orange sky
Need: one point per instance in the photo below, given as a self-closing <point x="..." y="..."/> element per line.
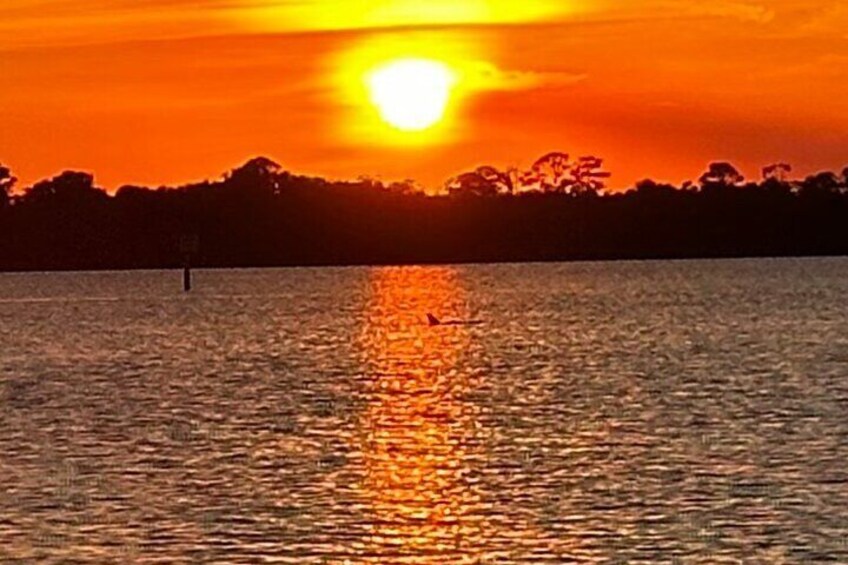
<point x="168" y="91"/>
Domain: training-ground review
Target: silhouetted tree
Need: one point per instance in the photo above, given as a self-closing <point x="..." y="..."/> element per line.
<point x="260" y="174"/>
<point x="651" y="189"/>
<point x="587" y="176"/>
<point x="370" y="183"/>
<point x="776" y="179"/>
<point x="820" y="183"/>
<point x="405" y="187"/>
<point x="556" y="173"/>
<point x="487" y="180"/>
<point x="472" y="184"/>
<point x="7" y="183"/>
<point x="721" y="175"/>
<point x="504" y="181"/>
<point x="132" y="192"/>
<point x="70" y="188"/>
<point x="777" y="172"/>
<point x="552" y="173"/>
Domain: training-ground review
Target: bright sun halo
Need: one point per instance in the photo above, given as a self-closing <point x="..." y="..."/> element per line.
<point x="411" y="94"/>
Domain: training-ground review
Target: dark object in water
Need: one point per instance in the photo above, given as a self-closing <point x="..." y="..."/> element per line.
<point x="434" y="321"/>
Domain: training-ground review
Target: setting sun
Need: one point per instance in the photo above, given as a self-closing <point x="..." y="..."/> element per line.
<point x="411" y="94"/>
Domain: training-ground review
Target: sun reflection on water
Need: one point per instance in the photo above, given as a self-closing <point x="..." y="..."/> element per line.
<point x="420" y="432"/>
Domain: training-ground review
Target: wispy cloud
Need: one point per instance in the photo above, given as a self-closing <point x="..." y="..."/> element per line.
<point x="37" y="22"/>
<point x="761" y="12"/>
<point x="57" y="22"/>
<point x="744" y="11"/>
<point x="488" y="76"/>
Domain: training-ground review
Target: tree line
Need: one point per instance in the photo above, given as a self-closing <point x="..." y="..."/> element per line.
<point x="558" y="209"/>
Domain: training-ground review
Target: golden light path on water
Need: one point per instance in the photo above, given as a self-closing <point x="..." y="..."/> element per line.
<point x="435" y="468"/>
<point x="421" y="434"/>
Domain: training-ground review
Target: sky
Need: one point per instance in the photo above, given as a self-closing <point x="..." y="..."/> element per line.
<point x="172" y="91"/>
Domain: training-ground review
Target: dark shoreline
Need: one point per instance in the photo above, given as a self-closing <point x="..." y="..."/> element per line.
<point x="261" y="216"/>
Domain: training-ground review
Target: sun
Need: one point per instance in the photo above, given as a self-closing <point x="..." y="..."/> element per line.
<point x="411" y="94"/>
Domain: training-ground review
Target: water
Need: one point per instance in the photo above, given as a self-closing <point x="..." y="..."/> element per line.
<point x="658" y="412"/>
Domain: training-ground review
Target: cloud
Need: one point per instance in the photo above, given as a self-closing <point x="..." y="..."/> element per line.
<point x="64" y="22"/>
<point x="821" y="20"/>
<point x="344" y="14"/>
<point x="487" y="76"/>
<point x="743" y="11"/>
<point x="751" y="12"/>
<point x="38" y="22"/>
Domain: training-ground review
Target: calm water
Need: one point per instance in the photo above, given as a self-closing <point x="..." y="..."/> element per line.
<point x="688" y="412"/>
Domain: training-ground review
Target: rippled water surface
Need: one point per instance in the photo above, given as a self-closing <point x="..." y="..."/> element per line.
<point x="686" y="412"/>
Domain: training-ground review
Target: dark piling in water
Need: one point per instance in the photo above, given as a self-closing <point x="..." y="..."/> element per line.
<point x="187" y="278"/>
<point x="189" y="246"/>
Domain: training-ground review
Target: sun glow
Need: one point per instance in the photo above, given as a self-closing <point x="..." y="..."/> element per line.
<point x="409" y="90"/>
<point x="411" y="94"/>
